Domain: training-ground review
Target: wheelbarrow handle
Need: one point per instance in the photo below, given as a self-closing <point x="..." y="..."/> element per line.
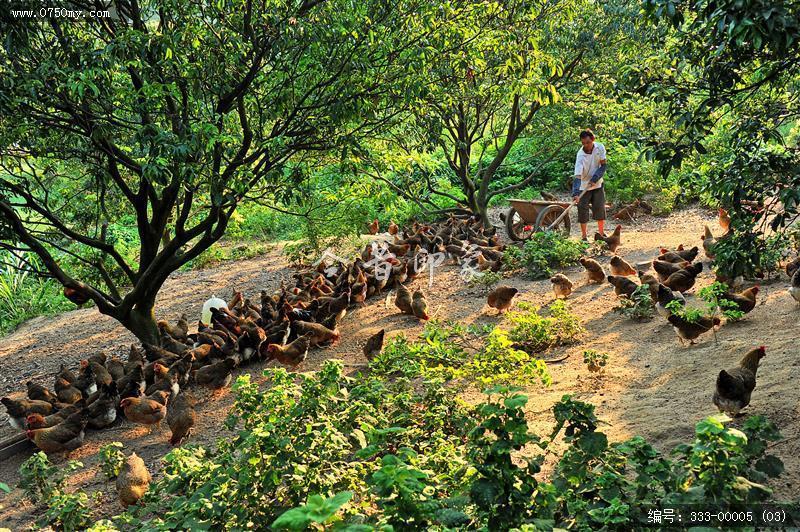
<point x="565" y="213"/>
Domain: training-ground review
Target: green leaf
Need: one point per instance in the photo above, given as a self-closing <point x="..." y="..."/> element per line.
<point x="770" y="465"/>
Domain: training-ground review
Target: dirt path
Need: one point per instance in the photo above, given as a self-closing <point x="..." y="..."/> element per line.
<point x="652" y="386"/>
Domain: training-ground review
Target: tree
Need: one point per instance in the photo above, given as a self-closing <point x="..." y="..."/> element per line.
<point x="169" y="114"/>
<point x="734" y="67"/>
<point x="478" y="101"/>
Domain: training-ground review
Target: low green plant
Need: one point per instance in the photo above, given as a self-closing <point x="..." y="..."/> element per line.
<point x="537" y="330"/>
<point x="712" y="295"/>
<point x="639" y="306"/>
<point x="40" y="479"/>
<point x="68" y="511"/>
<point x="685" y="312"/>
<point x="595" y="361"/>
<point x="512" y="258"/>
<point x="111" y="459"/>
<point x="549" y="249"/>
<point x="499" y="361"/>
<point x="485" y="279"/>
<point x="316" y="511"/>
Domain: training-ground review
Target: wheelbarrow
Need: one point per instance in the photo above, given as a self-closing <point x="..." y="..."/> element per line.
<point x="526" y="217"/>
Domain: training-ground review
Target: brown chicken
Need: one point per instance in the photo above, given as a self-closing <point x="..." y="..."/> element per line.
<point x="217" y="375"/>
<point x="685" y="254"/>
<point x="66" y="374"/>
<point x="65" y="436"/>
<point x="318" y="333"/>
<point x="501" y="298"/>
<point x="393" y="228"/>
<point x="373" y="227"/>
<point x="37" y="421"/>
<point x="652" y="282"/>
<point x="20" y="409"/>
<point x="594" y="272"/>
<point x="143" y="410"/>
<point x="690" y="331"/>
<point x="179" y="331"/>
<point x="133" y="480"/>
<point x="374" y="345"/>
<point x="792" y="266"/>
<point x="734" y="386"/>
<point x="419" y="305"/>
<point x="116" y="368"/>
<point x="181" y="417"/>
<point x="745" y="301"/>
<point x="664" y="269"/>
<point x="292" y="354"/>
<point x="66" y="392"/>
<point x="684" y="280"/>
<point x="794" y="290"/>
<point x="724" y="220"/>
<point x="562" y="286"/>
<point x="622" y="285"/>
<point x="403" y="300"/>
<point x="613" y="241"/>
<point x="37" y="392"/>
<point x="709" y="242"/>
<point x="620" y="266"/>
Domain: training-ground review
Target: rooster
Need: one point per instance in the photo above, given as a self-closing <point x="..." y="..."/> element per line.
<point x="734" y="386"/>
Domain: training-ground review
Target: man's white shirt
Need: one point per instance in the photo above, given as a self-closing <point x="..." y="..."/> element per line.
<point x="587" y="163"/>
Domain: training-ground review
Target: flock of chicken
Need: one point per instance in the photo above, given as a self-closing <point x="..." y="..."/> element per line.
<point x="675" y="273"/>
<point x="152" y="384"/>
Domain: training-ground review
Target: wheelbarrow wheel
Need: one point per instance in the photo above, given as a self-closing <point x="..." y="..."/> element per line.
<point x="517" y="228"/>
<point x="550" y="214"/>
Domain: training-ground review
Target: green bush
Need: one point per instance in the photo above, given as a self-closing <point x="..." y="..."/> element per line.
<point x="639" y="306"/>
<point x="537" y="331"/>
<point x="40" y="479"/>
<point x="111" y="459"/>
<point x="550" y="249"/>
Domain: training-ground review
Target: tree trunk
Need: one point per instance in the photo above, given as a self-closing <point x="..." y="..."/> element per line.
<point x="141" y="321"/>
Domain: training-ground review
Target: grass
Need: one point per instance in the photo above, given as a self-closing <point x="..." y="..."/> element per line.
<point x="24" y="296"/>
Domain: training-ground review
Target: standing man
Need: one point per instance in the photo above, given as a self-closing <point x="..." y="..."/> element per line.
<point x="590" y="165"/>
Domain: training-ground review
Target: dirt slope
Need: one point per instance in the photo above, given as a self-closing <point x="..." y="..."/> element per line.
<point x="652" y="386"/>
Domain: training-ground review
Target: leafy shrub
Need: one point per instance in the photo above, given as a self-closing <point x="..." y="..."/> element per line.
<point x="549" y="249"/>
<point x="111" y="459"/>
<point x="68" y="511"/>
<point x="500" y="362"/>
<point x="40" y="479"/>
<point x="317" y="510"/>
<point x="504" y="493"/>
<point x="687" y="313"/>
<point x="536" y="331"/>
<point x="595" y="360"/>
<point x="639" y="306"/>
<point x="748" y="255"/>
<point x="712" y="293"/>
<point x="485" y="279"/>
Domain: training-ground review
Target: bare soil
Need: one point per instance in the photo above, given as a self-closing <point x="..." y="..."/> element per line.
<point x="653" y="386"/>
